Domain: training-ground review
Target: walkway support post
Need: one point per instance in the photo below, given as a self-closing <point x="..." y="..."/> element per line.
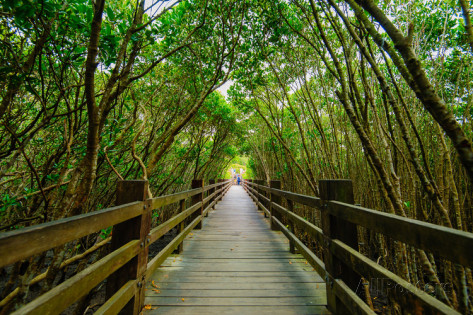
<point x="122" y="233"/>
<point x="197" y="183"/>
<point x="290" y="207"/>
<point x="182" y="225"/>
<point x="336" y="228"/>
<point x="211" y="191"/>
<point x="258" y="192"/>
<point x="266" y="194"/>
<point x="276" y="199"/>
<point x="220" y="180"/>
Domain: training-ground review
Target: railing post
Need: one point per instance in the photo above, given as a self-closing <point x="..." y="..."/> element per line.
<point x="197" y="183"/>
<point x="182" y="225"/>
<point x="276" y="199"/>
<point x="211" y="191"/>
<point x="258" y="199"/>
<point x="290" y="207"/>
<point x="336" y="228"/>
<point x="253" y="187"/>
<point x="260" y="192"/>
<point x="135" y="228"/>
<point x="265" y="193"/>
<point x="220" y="180"/>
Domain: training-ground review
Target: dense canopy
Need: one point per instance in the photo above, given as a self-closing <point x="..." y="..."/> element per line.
<point x="379" y="92"/>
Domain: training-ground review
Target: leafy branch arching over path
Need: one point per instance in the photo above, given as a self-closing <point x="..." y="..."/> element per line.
<point x="378" y="92"/>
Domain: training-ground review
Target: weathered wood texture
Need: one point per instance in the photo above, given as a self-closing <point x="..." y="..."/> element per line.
<point x="197" y="183"/>
<point x="42" y="237"/>
<point x="126" y="266"/>
<point x="274" y="199"/>
<point x="236" y="265"/>
<point x="60" y="297"/>
<point x="135" y="228"/>
<point x="335" y="228"/>
<point x="48" y="235"/>
<point x="345" y="263"/>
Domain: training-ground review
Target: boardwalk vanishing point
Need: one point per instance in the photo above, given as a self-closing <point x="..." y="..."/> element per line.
<point x="236" y="265"/>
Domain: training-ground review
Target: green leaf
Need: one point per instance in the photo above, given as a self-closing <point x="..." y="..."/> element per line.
<point x="111" y="14"/>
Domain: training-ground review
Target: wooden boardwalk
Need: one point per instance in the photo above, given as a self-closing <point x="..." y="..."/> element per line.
<point x="236" y="265"/>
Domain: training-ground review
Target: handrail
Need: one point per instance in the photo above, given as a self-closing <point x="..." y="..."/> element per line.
<point x="310" y="201"/>
<point x="162" y="201"/>
<point x="48" y="235"/>
<point x="447" y="242"/>
<point x="43" y="237"/>
<point x="452" y="244"/>
<point x="66" y="293"/>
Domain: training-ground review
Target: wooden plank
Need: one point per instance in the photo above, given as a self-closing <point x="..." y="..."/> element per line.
<point x="234" y="233"/>
<point x="241" y="285"/>
<point x="236" y="279"/>
<point x="235" y="260"/>
<point x="48" y="235"/>
<point x="242" y="267"/>
<point x="232" y="239"/>
<point x="272" y="242"/>
<point x="115" y="304"/>
<point x="450" y="243"/>
<point x="235" y="238"/>
<point x="247" y="267"/>
<point x="202" y="255"/>
<point x="237" y="301"/>
<point x="242" y="237"/>
<point x="170" y="272"/>
<point x="124" y="232"/>
<point x="253" y="293"/>
<point x="60" y="297"/>
<point x="238" y="310"/>
<point x="231" y="262"/>
<point x="193" y="262"/>
<point x="233" y="246"/>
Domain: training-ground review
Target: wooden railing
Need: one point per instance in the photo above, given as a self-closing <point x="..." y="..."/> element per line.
<point x="126" y="267"/>
<point x="343" y="265"/>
